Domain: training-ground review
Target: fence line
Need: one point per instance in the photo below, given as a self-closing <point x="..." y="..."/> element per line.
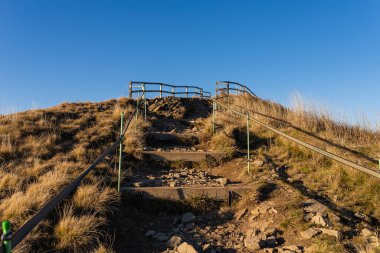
<point x="141" y="87"/>
<point x="224" y="87"/>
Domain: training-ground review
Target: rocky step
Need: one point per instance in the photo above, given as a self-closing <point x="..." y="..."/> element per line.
<point x="182" y="193"/>
<point x="161" y="139"/>
<point x="191" y="156"/>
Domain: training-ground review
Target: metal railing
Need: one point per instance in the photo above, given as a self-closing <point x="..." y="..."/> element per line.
<point x="136" y="87"/>
<point x="227" y="88"/>
<point x="245" y="114"/>
<point x="10" y="240"/>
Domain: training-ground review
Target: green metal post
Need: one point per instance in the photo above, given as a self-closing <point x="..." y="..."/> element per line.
<point x="120" y="149"/>
<point x="6" y="225"/>
<point x="248" y="151"/>
<point x="213" y="116"/>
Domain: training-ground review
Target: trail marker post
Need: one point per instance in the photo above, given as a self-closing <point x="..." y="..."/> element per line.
<point x="5" y="238"/>
<point x="120" y="149"/>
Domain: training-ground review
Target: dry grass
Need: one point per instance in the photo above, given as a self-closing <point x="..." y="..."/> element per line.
<point x="91" y="198"/>
<point x="103" y="249"/>
<point x="41" y="151"/>
<point x="76" y="233"/>
<point x="223" y="143"/>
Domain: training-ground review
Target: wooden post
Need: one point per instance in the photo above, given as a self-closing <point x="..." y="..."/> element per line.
<point x="160" y="90"/>
<point x="130" y="89"/>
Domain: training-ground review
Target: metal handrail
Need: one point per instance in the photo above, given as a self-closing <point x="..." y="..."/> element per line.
<point x="337" y="158"/>
<point x="189" y="89"/>
<point x="239" y="88"/>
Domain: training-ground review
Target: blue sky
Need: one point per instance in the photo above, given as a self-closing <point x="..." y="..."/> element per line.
<point x="72" y="50"/>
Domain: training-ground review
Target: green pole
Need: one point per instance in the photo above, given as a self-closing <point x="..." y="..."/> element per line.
<point x="120" y="149"/>
<point x="213" y="116"/>
<point x="248" y="157"/>
<point x="6" y="225"/>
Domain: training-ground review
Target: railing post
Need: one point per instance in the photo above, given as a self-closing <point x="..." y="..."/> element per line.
<point x="248" y="151"/>
<point x="130" y="92"/>
<point x="187" y="92"/>
<point x="120" y="149"/>
<point x="228" y="93"/>
<point x="213" y="116"/>
<point x="201" y="93"/>
<point x="216" y="89"/>
<point x="173" y="92"/>
<point x="144" y="95"/>
<point x="160" y="90"/>
<point x="6" y="240"/>
<point x="237" y="90"/>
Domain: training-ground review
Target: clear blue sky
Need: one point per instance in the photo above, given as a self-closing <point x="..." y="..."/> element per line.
<point x="53" y="51"/>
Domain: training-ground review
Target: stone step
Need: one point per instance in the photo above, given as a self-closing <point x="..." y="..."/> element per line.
<point x="226" y="193"/>
<point x="181" y="155"/>
<point x="156" y="139"/>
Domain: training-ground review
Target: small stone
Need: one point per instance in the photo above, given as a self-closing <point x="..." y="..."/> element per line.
<point x="161" y="237"/>
<point x="319" y="220"/>
<point x="206" y="247"/>
<point x="272" y="210"/>
<point x="271" y="242"/>
<point x="150" y="233"/>
<point x="313" y="206"/>
<point x="172" y="184"/>
<point x="222" y="181"/>
<point x="188" y="218"/>
<point x="176" y="220"/>
<point x="174" y="241"/>
<point x="137" y="184"/>
<point x="258" y="163"/>
<point x="331" y="232"/>
<point x="366" y="232"/>
<point x="308" y="234"/>
<point x="189" y="226"/>
<point x="186" y="248"/>
<point x="254" y="240"/>
<point x="240" y="214"/>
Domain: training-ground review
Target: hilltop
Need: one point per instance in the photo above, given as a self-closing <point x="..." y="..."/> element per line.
<point x="298" y="201"/>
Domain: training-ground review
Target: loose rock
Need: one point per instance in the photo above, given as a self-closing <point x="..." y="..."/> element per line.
<point x="188" y="217"/>
<point x="186" y="248"/>
<point x="309" y="233"/>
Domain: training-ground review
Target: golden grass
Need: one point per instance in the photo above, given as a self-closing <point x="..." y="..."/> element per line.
<point x="21" y="205"/>
<point x="90" y="198"/>
<point x="220" y="141"/>
<point x="103" y="249"/>
<point x="76" y="233"/>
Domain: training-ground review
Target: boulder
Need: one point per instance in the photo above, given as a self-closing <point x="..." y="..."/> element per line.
<point x="186" y="248"/>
